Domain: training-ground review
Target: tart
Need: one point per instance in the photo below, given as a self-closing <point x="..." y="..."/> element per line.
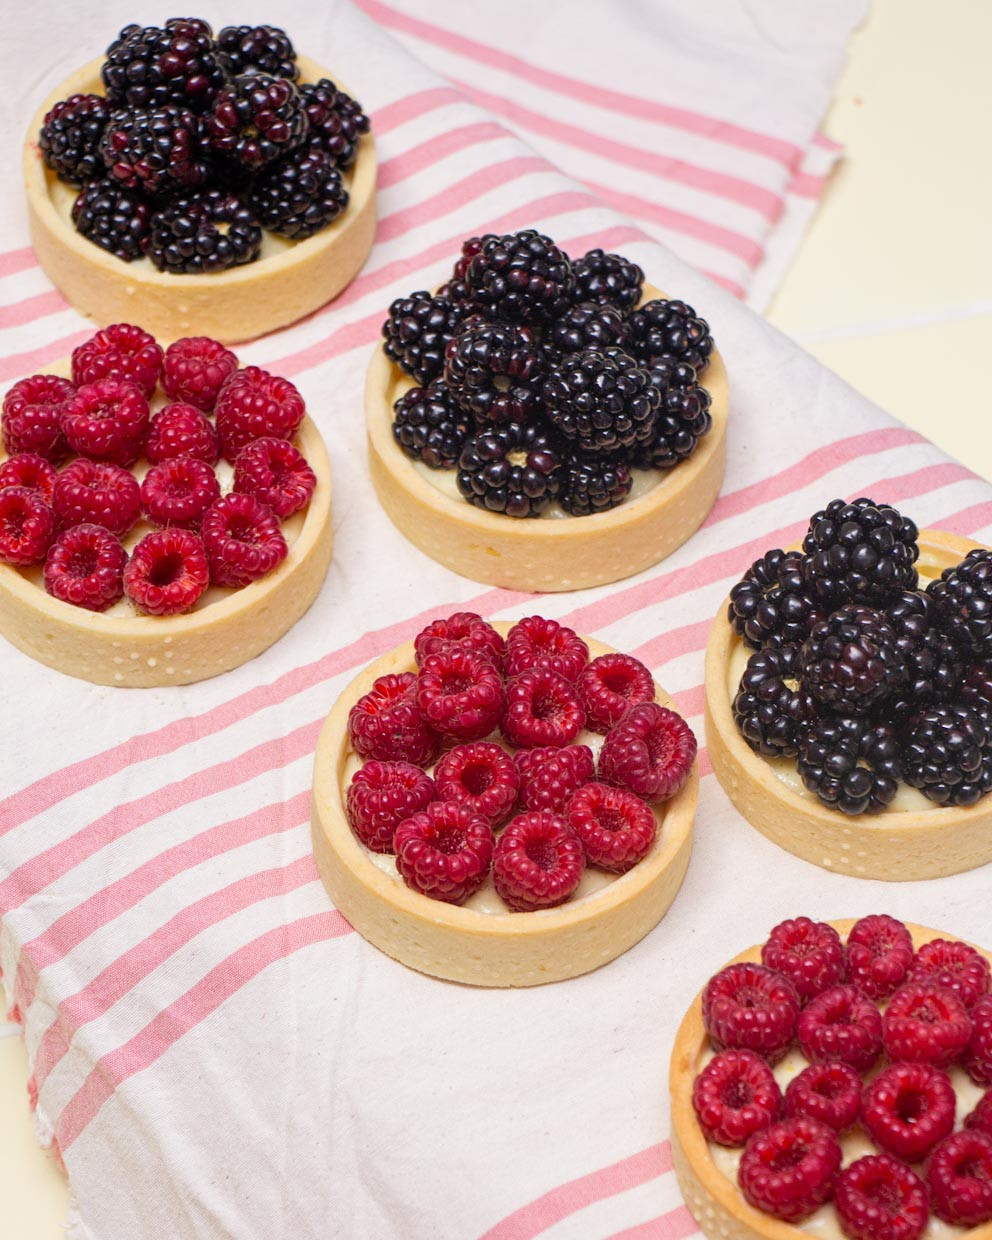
<point x="483" y="943"/>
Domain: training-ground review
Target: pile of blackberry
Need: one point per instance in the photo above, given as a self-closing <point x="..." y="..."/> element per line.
<point x="539" y="381"/>
<point x="861" y="675"/>
<point x="199" y="143"/>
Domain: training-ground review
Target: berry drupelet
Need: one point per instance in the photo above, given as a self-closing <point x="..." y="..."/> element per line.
<point x="429" y="426"/>
<point x="522" y="277"/>
<point x="208" y="231"/>
<point x="851" y="763"/>
<point x="963" y="598"/>
<point x="860" y="552"/>
<point x="255" y="119"/>
<point x="851" y="661"/>
<point x="416" y="333"/>
<point x="70" y="138"/>
<point x="671" y="327"/>
<point x="155" y="152"/>
<point x="601" y="401"/>
<point x="495" y="372"/>
<point x="772" y="605"/>
<point x="337" y="121"/>
<point x="608" y="279"/>
<point x="771" y="709"/>
<point x="113" y="218"/>
<point x="515" y="469"/>
<point x="256" y="49"/>
<point x="152" y="66"/>
<point x="595" y="484"/>
<point x="298" y="195"/>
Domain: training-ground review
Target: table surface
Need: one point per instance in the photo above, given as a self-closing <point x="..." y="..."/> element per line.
<point x="898" y="320"/>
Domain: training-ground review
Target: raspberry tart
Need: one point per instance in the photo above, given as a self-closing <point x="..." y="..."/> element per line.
<point x="834" y="1081"/>
<point x="505" y="804"/>
<point x="223" y="183"/>
<point x="543" y="423"/>
<point x="848" y="701"/>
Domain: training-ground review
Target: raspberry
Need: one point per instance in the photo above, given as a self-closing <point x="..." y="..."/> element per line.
<point x="31" y="471"/>
<point x="925" y="1024"/>
<point x="460" y="693"/>
<point x="195" y="368"/>
<point x="880" y="1198"/>
<point x="735" y="1096"/>
<point x="253" y="404"/>
<point x="121" y="351"/>
<point x="977" y="1056"/>
<point x="748" y="1007"/>
<point x="650" y="751"/>
<point x="99" y="493"/>
<point x="445" y="852"/>
<point x="466" y="629"/>
<point x="483" y="777"/>
<point x="167" y="572"/>
<point x="107" y="421"/>
<point x="609" y="686"/>
<point x="32" y="417"/>
<point x="27" y="526"/>
<point x="382" y="795"/>
<point x="908" y="1108"/>
<point x="829" y="1092"/>
<point x="181" y="430"/>
<point x="953" y="965"/>
<point x="536" y="642"/>
<point x="981" y="1116"/>
<point x="276" y="473"/>
<point x="841" y="1024"/>
<point x="85" y="567"/>
<point x="385" y="724"/>
<point x="879" y="954"/>
<point x="542" y="708"/>
<point x="243" y="540"/>
<point x="550" y="774"/>
<point x="616" y="828"/>
<point x="179" y="492"/>
<point x="538" y="861"/>
<point x="959" y="1176"/>
<point x="789" y="1169"/>
<point x="809" y="953"/>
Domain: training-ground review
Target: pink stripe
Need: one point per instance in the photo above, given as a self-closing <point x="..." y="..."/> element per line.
<point x="392" y="115"/>
<point x="16" y="365"/>
<point x="416" y="158"/>
<point x="738" y="290"/>
<point x="967" y="520"/>
<point x="31" y="308"/>
<point x="628" y="105"/>
<point x="673" y="643"/>
<point x="677" y="1224"/>
<point x="808" y="184"/>
<point x="827" y="143"/>
<point x="691" y="702"/>
<point x="13" y="261"/>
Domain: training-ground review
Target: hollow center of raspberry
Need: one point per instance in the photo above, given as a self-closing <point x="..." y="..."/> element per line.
<point x="749" y="997"/>
<point x="82" y="563"/>
<point x="828" y="1088"/>
<point x="448" y="840"/>
<point x="546" y="707"/>
<point x="661" y="748"/>
<point x="737" y="1094"/>
<point x="454" y="682"/>
<point x="610" y="819"/>
<point x="13" y="523"/>
<point x="617" y="681"/>
<point x="166" y="569"/>
<point x="885" y="1195"/>
<point x="477" y="778"/>
<point x="543" y="853"/>
<point x="242" y="531"/>
<point x="789" y="1157"/>
<point x="911" y="1106"/>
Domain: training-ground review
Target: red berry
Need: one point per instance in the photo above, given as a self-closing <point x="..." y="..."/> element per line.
<point x="735" y="1096"/>
<point x="746" y="1006"/>
<point x="253" y="404"/>
<point x="650" y="751"/>
<point x="542" y="708"/>
<point x="96" y="493"/>
<point x="27" y="526"/>
<point x="955" y="966"/>
<point x="538" y="862"/>
<point x="482" y="777"/>
<point x="908" y="1108"/>
<point x="31" y="471"/>
<point x="460" y="693"/>
<point x="788" y="1170"/>
<point x="879" y="954"/>
<point x="464" y="628"/>
<point x="195" y="369"/>
<point x="925" y="1024"/>
<point x="85" y="567"/>
<point x="385" y="724"/>
<point x="549" y="774"/>
<point x="879" y="1198"/>
<point x="829" y="1092"/>
<point x="167" y="572"/>
<point x="616" y="828"/>
<point x="444" y="852"/>
<point x="381" y="795"/>
<point x="107" y="421"/>
<point x="840" y="1023"/>
<point x="181" y="430"/>
<point x="179" y="492"/>
<point x="32" y="417"/>
<point x="977" y="1055"/>
<point x="981" y="1116"/>
<point x="243" y="540"/>
<point x="610" y="685"/>
<point x="536" y="642"/>
<point x="276" y="473"/>
<point x="121" y="351"/>
<point x="959" y="1176"/>
<point x="809" y="953"/>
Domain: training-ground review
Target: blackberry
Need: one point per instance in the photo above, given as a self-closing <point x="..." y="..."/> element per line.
<point x="209" y="231"/>
<point x="947" y="754"/>
<point x="683" y="415"/>
<point x="587" y="325"/>
<point x="255" y="119"/>
<point x="495" y="371"/>
<point x="152" y="66"/>
<point x="860" y="552"/>
<point x="670" y="327"/>
<point x="852" y="763"/>
<point x="69" y="138"/>
<point x="963" y="596"/>
<point x="595" y="484"/>
<point x="417" y="332"/>
<point x="113" y="218"/>
<point x="155" y="151"/>
<point x="771" y="605"/>
<point x="851" y="661"/>
<point x="257" y="49"/>
<point x="771" y="708"/>
<point x="299" y="194"/>
<point x="429" y="426"/>
<point x="517" y="470"/>
<point x="975" y="687"/>
<point x="601" y="400"/>
<point x="337" y="121"/>
<point x="522" y="277"/>
<point x="609" y="279"/>
<point x="933" y="665"/>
